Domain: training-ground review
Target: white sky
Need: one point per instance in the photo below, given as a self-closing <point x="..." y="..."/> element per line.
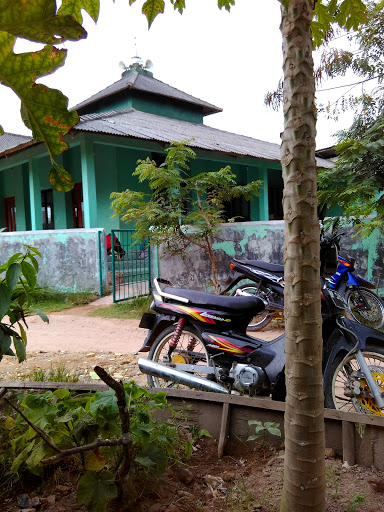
<point x="228" y="59"/>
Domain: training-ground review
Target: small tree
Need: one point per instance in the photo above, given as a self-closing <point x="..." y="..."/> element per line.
<point x="17" y="280"/>
<point x="356" y="182"/>
<point x="182" y="210"/>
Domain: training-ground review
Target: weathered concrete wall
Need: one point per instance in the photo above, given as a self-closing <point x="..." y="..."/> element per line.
<point x="70" y="257"/>
<point x="264" y="241"/>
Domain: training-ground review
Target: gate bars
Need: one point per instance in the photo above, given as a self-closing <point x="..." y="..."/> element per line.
<point x="130" y="265"/>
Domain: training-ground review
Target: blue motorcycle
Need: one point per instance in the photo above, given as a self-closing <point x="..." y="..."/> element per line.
<point x="364" y="305"/>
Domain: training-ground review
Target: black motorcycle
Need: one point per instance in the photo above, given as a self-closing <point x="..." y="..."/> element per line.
<point x="199" y="340"/>
<point x="266" y="280"/>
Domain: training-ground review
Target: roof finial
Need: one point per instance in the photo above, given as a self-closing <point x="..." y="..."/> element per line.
<point x="137" y="64"/>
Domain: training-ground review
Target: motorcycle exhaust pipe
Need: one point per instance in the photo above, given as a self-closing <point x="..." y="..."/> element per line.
<point x="192" y="381"/>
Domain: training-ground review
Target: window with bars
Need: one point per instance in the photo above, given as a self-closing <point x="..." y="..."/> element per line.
<point x="10" y="214"/>
<point x="47" y="209"/>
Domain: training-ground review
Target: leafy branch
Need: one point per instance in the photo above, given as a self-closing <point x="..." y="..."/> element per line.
<point x="18" y="278"/>
<point x="182" y="210"/>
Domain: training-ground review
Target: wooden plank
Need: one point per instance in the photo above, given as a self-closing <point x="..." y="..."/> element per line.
<point x="72" y="386"/>
<point x="254" y="402"/>
<point x="348" y="440"/>
<point x="224" y="429"/>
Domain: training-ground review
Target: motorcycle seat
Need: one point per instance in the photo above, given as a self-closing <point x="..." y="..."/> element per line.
<point x="270" y="267"/>
<point x="223" y="302"/>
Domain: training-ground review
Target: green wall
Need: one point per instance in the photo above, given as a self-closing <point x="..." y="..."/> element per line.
<point x="166" y="108"/>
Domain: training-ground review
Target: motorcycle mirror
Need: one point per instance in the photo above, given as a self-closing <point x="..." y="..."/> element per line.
<point x="322" y="212"/>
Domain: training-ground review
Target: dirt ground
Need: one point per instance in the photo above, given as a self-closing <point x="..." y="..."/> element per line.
<point x="247" y="479"/>
<point x="77" y="342"/>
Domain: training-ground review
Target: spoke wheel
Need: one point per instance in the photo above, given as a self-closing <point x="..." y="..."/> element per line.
<point x="190" y="350"/>
<point x="339" y="379"/>
<point x="373" y="316"/>
<point x="263" y="318"/>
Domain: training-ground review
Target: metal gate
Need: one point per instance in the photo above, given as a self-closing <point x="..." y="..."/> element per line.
<point x="129" y="262"/>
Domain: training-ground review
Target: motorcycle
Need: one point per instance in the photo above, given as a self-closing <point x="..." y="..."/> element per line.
<point x="199" y="340"/>
<point x="363" y="305"/>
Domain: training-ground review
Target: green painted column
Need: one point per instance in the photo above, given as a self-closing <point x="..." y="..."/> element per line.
<point x="89" y="184"/>
<point x="259" y="206"/>
<point x="35" y="195"/>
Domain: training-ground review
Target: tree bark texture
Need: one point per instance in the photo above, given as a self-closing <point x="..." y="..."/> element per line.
<point x="304" y="481"/>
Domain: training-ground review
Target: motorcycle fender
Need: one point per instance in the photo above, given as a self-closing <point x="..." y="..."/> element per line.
<point x="156" y="325"/>
<point x="359" y="281"/>
<point x="355" y="280"/>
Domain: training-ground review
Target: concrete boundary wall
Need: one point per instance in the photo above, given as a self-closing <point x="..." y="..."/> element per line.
<point x="265" y="241"/>
<point x="71" y="258"/>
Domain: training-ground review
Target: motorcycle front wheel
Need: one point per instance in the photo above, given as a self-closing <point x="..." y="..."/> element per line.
<point x="263" y="318"/>
<point x="190" y="350"/>
<point x="365" y="307"/>
<point x="339" y="385"/>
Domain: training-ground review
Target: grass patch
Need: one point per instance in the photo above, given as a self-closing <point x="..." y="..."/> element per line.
<point x="133" y="308"/>
<point x="50" y="300"/>
<point x="59" y="374"/>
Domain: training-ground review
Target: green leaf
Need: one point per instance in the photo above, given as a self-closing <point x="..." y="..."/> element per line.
<point x="61" y="393"/>
<point x="12" y="275"/>
<point x="154" y="455"/>
<point x="22" y="457"/>
<point x="39" y="452"/>
<point x="94" y="461"/>
<point x="44" y="110"/>
<point x="5" y="344"/>
<point x="29" y="273"/>
<point x="13" y="258"/>
<point x="151" y="8"/>
<point x="95" y="489"/>
<point x="21" y="349"/>
<point x="5" y="300"/>
<point x="37" y="21"/>
<point x="42" y="315"/>
<point x="34" y="262"/>
<point x="145" y="461"/>
<point x="74" y="7"/>
<point x="225" y="3"/>
<point x="179" y="5"/>
<point x="60" y="179"/>
<point x="274" y="431"/>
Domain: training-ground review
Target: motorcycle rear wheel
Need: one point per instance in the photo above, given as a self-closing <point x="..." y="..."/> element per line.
<point x="190" y="350"/>
<point x="341" y="369"/>
<point x="373" y="317"/>
<point x="262" y="319"/>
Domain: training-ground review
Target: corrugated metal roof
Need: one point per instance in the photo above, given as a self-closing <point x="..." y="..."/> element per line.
<point x="11" y="140"/>
<point x="133" y="123"/>
<point x="139" y="82"/>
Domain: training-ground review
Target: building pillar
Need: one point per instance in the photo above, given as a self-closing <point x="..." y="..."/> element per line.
<point x="60" y="203"/>
<point x="259" y="205"/>
<point x="35" y="195"/>
<point x="263" y="199"/>
<point x="88" y="175"/>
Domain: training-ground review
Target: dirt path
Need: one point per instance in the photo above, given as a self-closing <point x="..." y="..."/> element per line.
<point x="75" y="342"/>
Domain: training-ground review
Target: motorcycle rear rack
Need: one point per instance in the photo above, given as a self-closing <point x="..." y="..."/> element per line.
<point x="158" y="280"/>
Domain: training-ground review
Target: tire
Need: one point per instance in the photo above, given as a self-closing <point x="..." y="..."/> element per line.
<point x="198" y="355"/>
<point x="373" y="317"/>
<point x="262" y="319"/>
<point x="343" y="366"/>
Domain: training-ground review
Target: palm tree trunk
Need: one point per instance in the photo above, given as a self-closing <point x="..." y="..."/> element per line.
<point x="304" y="481"/>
